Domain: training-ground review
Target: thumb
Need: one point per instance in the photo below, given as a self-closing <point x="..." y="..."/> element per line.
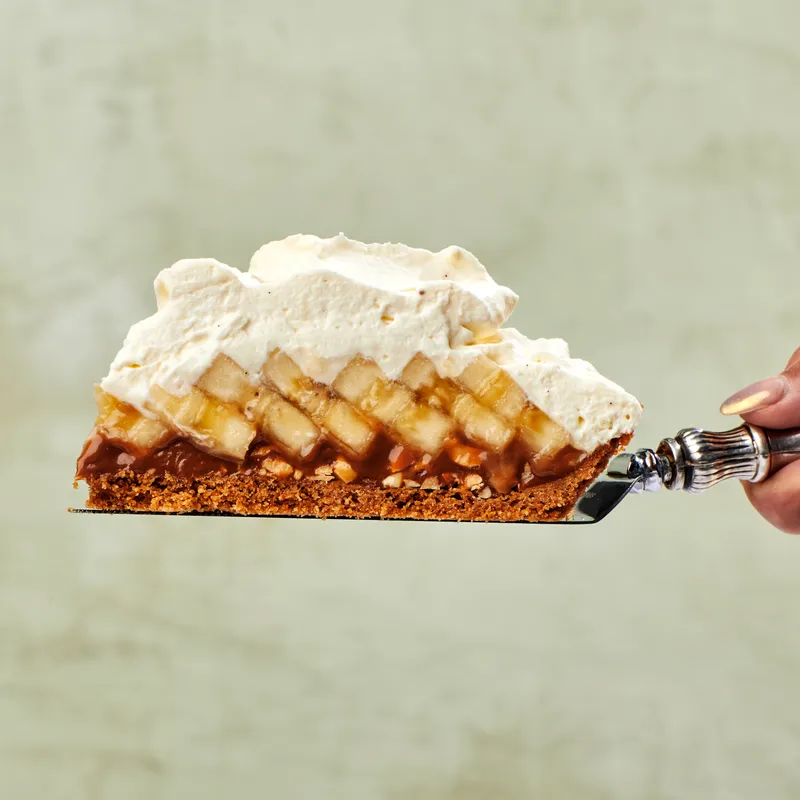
<point x="772" y="402"/>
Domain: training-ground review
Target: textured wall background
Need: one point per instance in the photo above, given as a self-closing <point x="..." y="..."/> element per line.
<point x="631" y="168"/>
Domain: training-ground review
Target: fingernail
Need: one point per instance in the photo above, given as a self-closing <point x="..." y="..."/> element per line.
<point x="758" y="395"/>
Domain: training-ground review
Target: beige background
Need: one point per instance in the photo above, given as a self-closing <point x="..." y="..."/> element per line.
<point x="631" y="168"/>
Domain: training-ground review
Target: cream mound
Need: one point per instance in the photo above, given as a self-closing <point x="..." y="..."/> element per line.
<point x="324" y="301"/>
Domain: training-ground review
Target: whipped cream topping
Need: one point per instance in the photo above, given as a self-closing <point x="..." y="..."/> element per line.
<point x="324" y="301"/>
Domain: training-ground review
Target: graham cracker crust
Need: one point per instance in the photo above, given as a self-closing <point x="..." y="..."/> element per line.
<point x="246" y="493"/>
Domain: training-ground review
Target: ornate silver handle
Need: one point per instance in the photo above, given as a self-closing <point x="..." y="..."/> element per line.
<point x="695" y="460"/>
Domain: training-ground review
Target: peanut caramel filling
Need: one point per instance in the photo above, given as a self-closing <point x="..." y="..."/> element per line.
<point x="391" y="464"/>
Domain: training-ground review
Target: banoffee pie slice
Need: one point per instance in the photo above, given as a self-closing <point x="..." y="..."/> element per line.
<point x="339" y="379"/>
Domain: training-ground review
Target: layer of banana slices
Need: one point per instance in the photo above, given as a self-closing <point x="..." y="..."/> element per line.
<point x="483" y="413"/>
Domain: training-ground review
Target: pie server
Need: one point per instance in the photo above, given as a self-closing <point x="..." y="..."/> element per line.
<point x="693" y="461"/>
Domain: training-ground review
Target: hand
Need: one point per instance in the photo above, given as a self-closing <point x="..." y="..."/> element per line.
<point x="774" y="403"/>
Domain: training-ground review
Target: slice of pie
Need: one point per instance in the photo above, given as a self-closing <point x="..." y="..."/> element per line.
<point x="338" y="379"/>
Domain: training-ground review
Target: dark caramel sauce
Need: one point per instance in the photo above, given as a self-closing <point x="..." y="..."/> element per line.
<point x="101" y="456"/>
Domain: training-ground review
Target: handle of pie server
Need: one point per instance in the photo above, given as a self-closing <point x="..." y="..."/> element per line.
<point x="700" y="459"/>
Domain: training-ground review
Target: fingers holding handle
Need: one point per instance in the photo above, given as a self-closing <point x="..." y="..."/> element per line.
<point x="774" y="403"/>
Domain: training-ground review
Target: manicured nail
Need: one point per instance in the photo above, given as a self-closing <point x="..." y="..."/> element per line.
<point x="758" y="395"/>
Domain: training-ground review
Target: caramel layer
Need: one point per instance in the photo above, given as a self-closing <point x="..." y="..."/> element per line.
<point x="181" y="458"/>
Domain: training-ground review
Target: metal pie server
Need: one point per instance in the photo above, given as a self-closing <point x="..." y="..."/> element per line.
<point x="693" y="461"/>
